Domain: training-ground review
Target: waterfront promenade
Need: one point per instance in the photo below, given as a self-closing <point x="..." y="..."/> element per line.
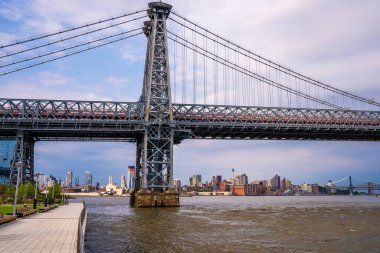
<point x="59" y="230"/>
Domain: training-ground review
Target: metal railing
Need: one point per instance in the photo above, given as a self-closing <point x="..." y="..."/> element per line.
<point x="81" y="229"/>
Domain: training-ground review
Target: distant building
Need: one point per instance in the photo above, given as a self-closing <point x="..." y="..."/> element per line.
<point x="306" y="188"/>
<point x="215" y="182"/>
<point x="69" y="179"/>
<point x="177" y="185"/>
<point x="255" y="181"/>
<point x="275" y="182"/>
<point x="41" y="181"/>
<point x="87" y="178"/>
<point x="197" y="181"/>
<point x="190" y="179"/>
<point x="123" y="184"/>
<point x="111" y="187"/>
<point x="286" y="184"/>
<point x="225" y="186"/>
<point x="131" y="177"/>
<point x="76" y="181"/>
<point x="6" y="158"/>
<point x="249" y="189"/>
<point x="241" y="179"/>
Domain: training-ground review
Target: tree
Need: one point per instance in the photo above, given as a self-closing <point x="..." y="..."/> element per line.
<point x="29" y="190"/>
<point x="10" y="190"/>
<point x="57" y="191"/>
<point x="21" y="192"/>
<point x="2" y="189"/>
<point x="2" y="192"/>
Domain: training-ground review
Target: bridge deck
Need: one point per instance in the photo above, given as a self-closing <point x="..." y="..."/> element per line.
<point x="54" y="231"/>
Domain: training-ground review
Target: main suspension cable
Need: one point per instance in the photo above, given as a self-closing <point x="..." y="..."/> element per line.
<point x="74" y="53"/>
<point x="68" y="48"/>
<point x="71" y="37"/>
<point x="70" y="29"/>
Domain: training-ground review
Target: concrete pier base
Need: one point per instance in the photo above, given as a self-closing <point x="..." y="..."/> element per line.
<point x="145" y="198"/>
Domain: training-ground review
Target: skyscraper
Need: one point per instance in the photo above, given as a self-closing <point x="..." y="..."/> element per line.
<point x="69" y="179"/>
<point x="76" y="181"/>
<point x="275" y="182"/>
<point x="241" y="179"/>
<point x="6" y="156"/>
<point x="131" y="177"/>
<point x="87" y="178"/>
<point x="123" y="184"/>
<point x="197" y="181"/>
<point x="177" y="185"/>
<point x="216" y="180"/>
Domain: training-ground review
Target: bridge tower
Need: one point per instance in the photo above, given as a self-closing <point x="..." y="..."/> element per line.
<point x="154" y="158"/>
<point x="351" y="187"/>
<point x="24" y="153"/>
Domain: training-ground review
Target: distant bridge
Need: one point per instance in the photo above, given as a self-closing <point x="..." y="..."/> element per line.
<point x="370" y="186"/>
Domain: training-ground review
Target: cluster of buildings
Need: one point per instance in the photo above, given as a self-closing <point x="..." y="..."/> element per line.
<point x="72" y="185"/>
<point x="240" y="186"/>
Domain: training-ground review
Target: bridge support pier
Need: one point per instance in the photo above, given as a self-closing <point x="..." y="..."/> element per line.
<point x="24" y="152"/>
<point x="145" y="198"/>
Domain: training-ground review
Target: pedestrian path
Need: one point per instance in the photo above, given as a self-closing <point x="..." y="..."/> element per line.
<point x="55" y="231"/>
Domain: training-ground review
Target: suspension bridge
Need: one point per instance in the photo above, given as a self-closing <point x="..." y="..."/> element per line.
<point x="354" y="184"/>
<point x="211" y="88"/>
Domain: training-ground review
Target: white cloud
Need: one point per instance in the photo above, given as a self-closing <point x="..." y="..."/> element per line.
<point x="131" y="53"/>
<point x="116" y="81"/>
<point x="10" y="11"/>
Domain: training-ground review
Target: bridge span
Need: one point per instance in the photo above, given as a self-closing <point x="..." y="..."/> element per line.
<point x="76" y="120"/>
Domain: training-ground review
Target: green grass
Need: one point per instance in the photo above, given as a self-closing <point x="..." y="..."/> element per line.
<point x="9" y="208"/>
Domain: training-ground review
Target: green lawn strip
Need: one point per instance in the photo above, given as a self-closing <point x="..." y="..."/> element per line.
<point x="5" y="209"/>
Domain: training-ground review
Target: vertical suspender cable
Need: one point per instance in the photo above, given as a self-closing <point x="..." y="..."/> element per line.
<point x="175" y="69"/>
<point x="184" y="66"/>
<point x="194" y="67"/>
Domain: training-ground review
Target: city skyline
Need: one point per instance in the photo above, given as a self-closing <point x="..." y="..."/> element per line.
<point x="321" y="39"/>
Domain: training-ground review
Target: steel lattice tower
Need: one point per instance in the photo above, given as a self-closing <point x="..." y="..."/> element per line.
<point x="24" y="152"/>
<point x="155" y="148"/>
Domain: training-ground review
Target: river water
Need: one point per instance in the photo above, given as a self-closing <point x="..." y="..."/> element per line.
<point x="236" y="224"/>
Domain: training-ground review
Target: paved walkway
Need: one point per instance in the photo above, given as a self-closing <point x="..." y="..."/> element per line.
<point x="53" y="231"/>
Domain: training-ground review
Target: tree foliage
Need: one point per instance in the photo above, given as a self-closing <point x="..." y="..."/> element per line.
<point x="57" y="191"/>
<point x="2" y="189"/>
<point x="10" y="190"/>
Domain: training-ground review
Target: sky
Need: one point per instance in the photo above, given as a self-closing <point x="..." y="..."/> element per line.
<point x="336" y="42"/>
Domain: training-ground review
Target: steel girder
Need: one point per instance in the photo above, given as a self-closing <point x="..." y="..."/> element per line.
<point x="71" y="119"/>
<point x="24" y="152"/>
<point x="53" y="120"/>
<point x="155" y="164"/>
<point x="24" y="109"/>
<point x="239" y="122"/>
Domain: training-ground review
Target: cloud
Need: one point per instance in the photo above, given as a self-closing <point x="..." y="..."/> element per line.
<point x="53" y="79"/>
<point x="10" y="11"/>
<point x="116" y="81"/>
<point x="131" y="54"/>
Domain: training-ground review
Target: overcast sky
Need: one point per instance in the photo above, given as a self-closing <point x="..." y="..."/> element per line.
<point x="336" y="42"/>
